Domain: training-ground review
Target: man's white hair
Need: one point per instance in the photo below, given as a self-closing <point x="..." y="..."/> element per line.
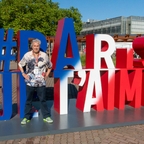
<point x="35" y="40"/>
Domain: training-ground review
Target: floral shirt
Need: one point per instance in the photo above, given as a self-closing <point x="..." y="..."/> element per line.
<point x="35" y="68"/>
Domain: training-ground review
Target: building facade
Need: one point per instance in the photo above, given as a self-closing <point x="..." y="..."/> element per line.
<point x="118" y="25"/>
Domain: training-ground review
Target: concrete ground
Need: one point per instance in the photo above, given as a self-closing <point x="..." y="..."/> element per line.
<point x="119" y="135"/>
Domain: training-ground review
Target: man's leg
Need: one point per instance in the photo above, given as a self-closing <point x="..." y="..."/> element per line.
<point x="41" y="93"/>
<point x="28" y="105"/>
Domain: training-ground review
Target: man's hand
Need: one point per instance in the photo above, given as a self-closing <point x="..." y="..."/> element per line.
<point x="46" y="76"/>
<point x="47" y="73"/>
<point x="25" y="76"/>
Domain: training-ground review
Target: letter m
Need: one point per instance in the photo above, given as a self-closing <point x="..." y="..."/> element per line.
<point x="128" y="88"/>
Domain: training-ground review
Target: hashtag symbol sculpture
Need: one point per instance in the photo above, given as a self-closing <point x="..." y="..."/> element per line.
<point x="7" y="44"/>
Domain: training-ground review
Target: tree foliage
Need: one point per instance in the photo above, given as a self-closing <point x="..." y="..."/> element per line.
<point x="40" y="15"/>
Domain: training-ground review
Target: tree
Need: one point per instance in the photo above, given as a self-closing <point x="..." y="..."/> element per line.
<point x="75" y="14"/>
<point x="40" y="15"/>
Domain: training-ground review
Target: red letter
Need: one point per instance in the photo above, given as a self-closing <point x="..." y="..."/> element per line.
<point x="128" y="88"/>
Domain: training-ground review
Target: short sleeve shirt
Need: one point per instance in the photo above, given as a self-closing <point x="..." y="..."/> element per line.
<point x="35" y="68"/>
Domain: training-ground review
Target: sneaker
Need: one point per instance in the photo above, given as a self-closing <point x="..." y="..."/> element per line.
<point x="48" y="120"/>
<point x="25" y="121"/>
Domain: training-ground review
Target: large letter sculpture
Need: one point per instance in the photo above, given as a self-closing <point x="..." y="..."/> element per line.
<point x="92" y="94"/>
<point x="65" y="54"/>
<point x="102" y="85"/>
<point x="6" y="44"/>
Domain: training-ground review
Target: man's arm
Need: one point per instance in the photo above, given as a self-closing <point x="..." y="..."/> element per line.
<point x="48" y="72"/>
<point x="21" y="64"/>
<point x="23" y="73"/>
<point x="49" y="65"/>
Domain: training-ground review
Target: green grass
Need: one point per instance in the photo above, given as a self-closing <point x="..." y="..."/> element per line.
<point x="83" y="59"/>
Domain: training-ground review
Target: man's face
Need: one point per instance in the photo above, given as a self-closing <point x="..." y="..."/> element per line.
<point x="35" y="47"/>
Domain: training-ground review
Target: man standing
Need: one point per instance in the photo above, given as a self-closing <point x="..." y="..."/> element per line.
<point x="38" y="68"/>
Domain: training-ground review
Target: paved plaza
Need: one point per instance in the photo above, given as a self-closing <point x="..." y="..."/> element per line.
<point x="119" y="135"/>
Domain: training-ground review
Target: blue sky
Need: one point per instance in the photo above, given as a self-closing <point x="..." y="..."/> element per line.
<point x="104" y="9"/>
